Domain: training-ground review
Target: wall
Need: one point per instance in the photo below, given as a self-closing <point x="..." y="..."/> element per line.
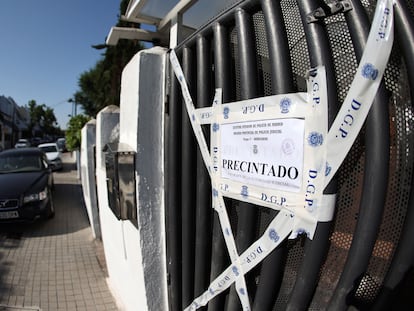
<point x="88" y="176"/>
<point x="123" y="277"/>
<point x="136" y="254"/>
<point x="142" y="128"/>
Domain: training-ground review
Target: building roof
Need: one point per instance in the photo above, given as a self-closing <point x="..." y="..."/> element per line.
<point x="163" y="15"/>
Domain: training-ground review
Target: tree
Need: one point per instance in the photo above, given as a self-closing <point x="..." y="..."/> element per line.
<point x="100" y="86"/>
<point x="42" y="120"/>
<point x="73" y="132"/>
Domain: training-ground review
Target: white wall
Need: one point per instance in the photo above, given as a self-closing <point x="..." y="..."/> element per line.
<point x="136" y="256"/>
<point x="142" y="128"/>
<point x="120" y="238"/>
<point x="87" y="163"/>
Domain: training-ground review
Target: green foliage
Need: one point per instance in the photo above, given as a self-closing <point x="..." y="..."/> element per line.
<point x="42" y="120"/>
<point x="73" y="132"/>
<point x="100" y="86"/>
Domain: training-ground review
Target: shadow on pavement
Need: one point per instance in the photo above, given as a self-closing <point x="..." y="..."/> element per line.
<point x="70" y="217"/>
<point x="67" y="167"/>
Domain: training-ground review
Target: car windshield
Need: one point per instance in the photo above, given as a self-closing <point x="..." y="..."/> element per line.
<point x="47" y="149"/>
<point x="27" y="163"/>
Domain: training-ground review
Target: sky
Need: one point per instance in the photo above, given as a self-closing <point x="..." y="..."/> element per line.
<point x="47" y="44"/>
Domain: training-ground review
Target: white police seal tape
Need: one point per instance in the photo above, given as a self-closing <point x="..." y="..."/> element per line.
<point x="218" y="201"/>
<point x="275" y="233"/>
<point x="359" y="99"/>
<point x="237" y="273"/>
<point x="303" y="217"/>
<point x="303" y="205"/>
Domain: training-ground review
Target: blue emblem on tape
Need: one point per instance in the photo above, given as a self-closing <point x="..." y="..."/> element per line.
<point x="227" y="231"/>
<point x="369" y="72"/>
<point x="244" y="191"/>
<point x="273" y="235"/>
<point x="285" y="104"/>
<point x="215" y="193"/>
<point x="328" y="169"/>
<point x="216" y="127"/>
<point x="226" y="112"/>
<point x="242" y="291"/>
<point x="315" y="139"/>
<point x="235" y="271"/>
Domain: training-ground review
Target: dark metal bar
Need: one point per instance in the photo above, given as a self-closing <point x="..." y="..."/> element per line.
<point x="272" y="268"/>
<point x="203" y="195"/>
<point x="224" y="18"/>
<point x="247" y="55"/>
<point x="404" y="27"/>
<point x="281" y="67"/>
<point x="218" y="263"/>
<point x="316" y="250"/>
<point x="222" y="67"/>
<point x="247" y="213"/>
<point x="375" y="176"/>
<point x="188" y="182"/>
<point x="173" y="211"/>
<point x="403" y="260"/>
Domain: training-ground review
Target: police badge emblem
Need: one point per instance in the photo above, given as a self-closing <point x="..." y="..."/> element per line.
<point x="285" y="104"/>
<point x="369" y="72"/>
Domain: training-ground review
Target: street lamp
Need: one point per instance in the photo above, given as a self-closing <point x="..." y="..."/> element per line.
<point x="74" y="106"/>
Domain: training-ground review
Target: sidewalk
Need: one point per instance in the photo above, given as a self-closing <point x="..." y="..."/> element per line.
<point x="53" y="265"/>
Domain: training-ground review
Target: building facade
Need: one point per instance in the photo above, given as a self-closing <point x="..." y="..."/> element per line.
<point x="14" y="122"/>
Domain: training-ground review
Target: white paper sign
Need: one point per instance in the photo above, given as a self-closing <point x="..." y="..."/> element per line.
<point x="264" y="153"/>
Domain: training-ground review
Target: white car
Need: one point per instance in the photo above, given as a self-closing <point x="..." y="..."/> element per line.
<point x="22" y="143"/>
<point x="54" y="157"/>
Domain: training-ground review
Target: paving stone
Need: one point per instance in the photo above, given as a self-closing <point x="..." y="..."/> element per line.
<point x="54" y="264"/>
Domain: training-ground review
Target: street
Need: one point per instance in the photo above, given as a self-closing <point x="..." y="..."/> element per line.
<point x="53" y="264"/>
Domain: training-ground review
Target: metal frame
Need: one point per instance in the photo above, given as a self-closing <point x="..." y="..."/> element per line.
<point x="164" y="25"/>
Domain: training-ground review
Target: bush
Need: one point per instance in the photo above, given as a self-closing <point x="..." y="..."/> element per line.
<point x="73" y="133"/>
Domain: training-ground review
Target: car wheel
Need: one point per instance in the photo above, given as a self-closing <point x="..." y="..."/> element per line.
<point x="50" y="211"/>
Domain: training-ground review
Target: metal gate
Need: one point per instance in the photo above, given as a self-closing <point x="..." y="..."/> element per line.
<point x="364" y="257"/>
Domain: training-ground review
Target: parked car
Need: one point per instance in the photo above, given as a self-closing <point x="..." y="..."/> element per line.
<point x="22" y="143"/>
<point x="53" y="155"/>
<point x="35" y="141"/>
<point x="26" y="183"/>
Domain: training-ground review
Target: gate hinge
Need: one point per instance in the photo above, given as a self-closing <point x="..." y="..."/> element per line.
<point x="329" y="9"/>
